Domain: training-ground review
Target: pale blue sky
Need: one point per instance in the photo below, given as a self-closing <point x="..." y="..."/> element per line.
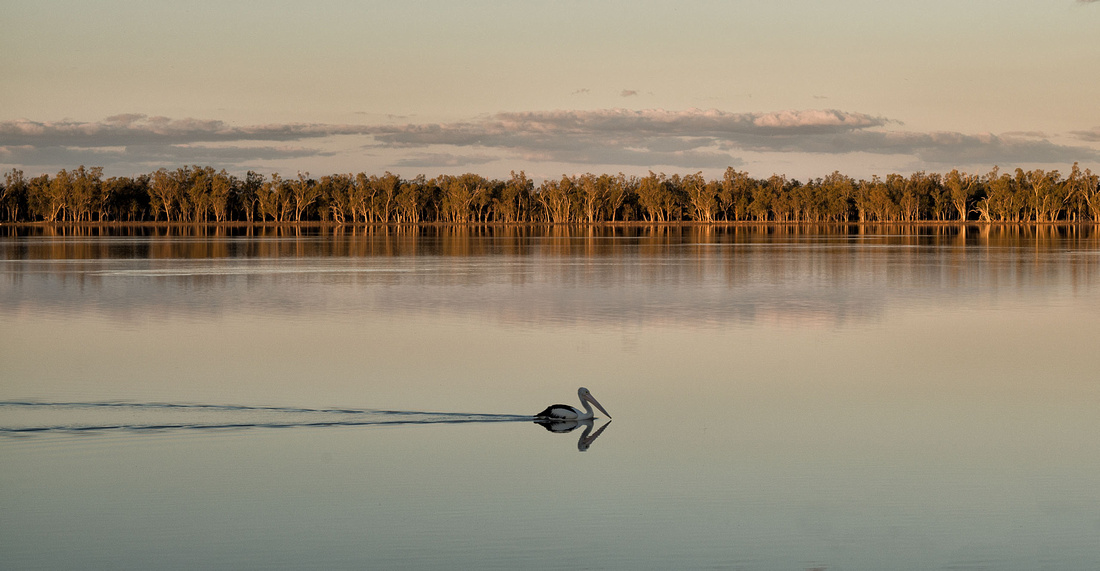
<point x="556" y="87"/>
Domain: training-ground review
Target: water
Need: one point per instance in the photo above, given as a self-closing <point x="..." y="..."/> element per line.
<point x="896" y="398"/>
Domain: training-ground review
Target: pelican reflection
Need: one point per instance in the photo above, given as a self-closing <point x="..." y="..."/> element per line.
<point x="563" y="426"/>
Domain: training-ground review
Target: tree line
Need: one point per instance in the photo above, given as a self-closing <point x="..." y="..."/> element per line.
<point x="197" y="194"/>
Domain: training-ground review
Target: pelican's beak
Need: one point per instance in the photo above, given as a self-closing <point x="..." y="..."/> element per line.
<point x="596" y="403"/>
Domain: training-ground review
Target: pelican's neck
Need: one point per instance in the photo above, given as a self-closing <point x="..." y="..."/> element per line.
<point x="587" y="409"/>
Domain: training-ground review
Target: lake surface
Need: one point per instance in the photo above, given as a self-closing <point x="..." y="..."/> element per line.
<point x="884" y="398"/>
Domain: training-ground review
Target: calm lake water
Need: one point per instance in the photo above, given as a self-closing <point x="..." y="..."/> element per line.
<point x="891" y="398"/>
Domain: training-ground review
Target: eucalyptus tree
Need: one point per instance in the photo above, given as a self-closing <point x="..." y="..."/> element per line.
<point x="879" y="200"/>
<point x="381" y="196"/>
<point x="591" y="192"/>
<point x="221" y="190"/>
<point x="275" y="199"/>
<point x="910" y="194"/>
<point x="938" y="199"/>
<point x="13" y="195"/>
<point x="335" y="197"/>
<point x="125" y="198"/>
<point x="962" y="189"/>
<point x="39" y="203"/>
<point x="485" y="200"/>
<point x="1048" y="194"/>
<point x="247" y="194"/>
<point x="184" y="197"/>
<point x="861" y="199"/>
<point x="106" y="203"/>
<point x="1019" y="205"/>
<point x="197" y="182"/>
<point x="459" y="193"/>
<point x="432" y="193"/>
<point x="470" y="188"/>
<point x="810" y="202"/>
<point x="651" y="190"/>
<point x="837" y="191"/>
<point x="804" y="207"/>
<point x="620" y="189"/>
<point x="514" y="202"/>
<point x="410" y="200"/>
<point x="992" y="203"/>
<point x="85" y="193"/>
<point x="1086" y="186"/>
<point x="362" y="198"/>
<point x="765" y="196"/>
<point x="929" y="189"/>
<point x="783" y="202"/>
<point x="702" y="197"/>
<point x="1002" y="202"/>
<point x="736" y="194"/>
<point x="674" y="198"/>
<point x="304" y="192"/>
<point x="556" y="200"/>
<point x="205" y="191"/>
<point x="902" y="203"/>
<point x="792" y="199"/>
<point x="1075" y="208"/>
<point x="59" y="193"/>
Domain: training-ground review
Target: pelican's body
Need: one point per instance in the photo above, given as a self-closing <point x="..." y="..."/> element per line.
<point x="566" y="412"/>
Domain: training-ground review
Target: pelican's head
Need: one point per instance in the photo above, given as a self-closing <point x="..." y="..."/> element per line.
<point x="585" y="395"/>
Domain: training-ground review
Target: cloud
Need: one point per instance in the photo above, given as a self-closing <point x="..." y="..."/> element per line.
<point x="138" y="142"/>
<point x="815" y="118"/>
<point x="147" y="158"/>
<point x="956" y="148"/>
<point x="688" y="139"/>
<point x="1031" y="134"/>
<point x="618" y="136"/>
<point x="138" y="129"/>
<point x="934" y="147"/>
<point x="1092" y="135"/>
<point x="443" y="160"/>
<point x="711" y="138"/>
<point x="625" y="124"/>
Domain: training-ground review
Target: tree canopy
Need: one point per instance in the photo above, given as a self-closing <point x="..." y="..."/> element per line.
<point x="196" y="194"/>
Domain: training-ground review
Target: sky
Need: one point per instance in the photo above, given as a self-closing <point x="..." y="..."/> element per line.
<point x="552" y="88"/>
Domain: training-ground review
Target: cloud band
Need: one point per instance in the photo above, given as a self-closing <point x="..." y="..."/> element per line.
<point x="690" y="139"/>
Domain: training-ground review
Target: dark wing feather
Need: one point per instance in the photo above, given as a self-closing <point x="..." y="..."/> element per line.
<point x="548" y="412"/>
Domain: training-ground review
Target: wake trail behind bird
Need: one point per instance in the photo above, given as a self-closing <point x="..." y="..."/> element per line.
<point x="32" y="417"/>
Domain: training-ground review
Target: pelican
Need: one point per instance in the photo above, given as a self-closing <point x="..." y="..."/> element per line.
<point x="566" y="412"/>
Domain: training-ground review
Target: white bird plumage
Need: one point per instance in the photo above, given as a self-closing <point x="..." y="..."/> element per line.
<point x="566" y="412"/>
